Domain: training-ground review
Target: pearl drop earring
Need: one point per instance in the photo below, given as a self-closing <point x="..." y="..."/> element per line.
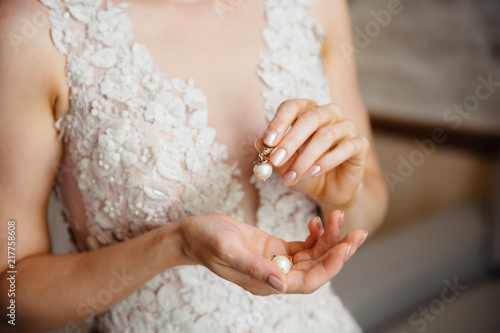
<point x="283" y="262"/>
<point x="262" y="169"/>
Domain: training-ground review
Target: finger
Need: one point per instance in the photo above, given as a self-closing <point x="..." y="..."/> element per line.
<point x="304" y="127"/>
<point x="245" y="281"/>
<point x="316" y="229"/>
<point x="255" y="267"/>
<point x="307" y="276"/>
<point x="353" y="149"/>
<point x="321" y="143"/>
<point x="307" y="281"/>
<point x="284" y="117"/>
<point x="355" y="237"/>
<point x="328" y="239"/>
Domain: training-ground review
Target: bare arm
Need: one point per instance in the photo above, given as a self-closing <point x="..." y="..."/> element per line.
<point x="64" y="284"/>
<point x="367" y="209"/>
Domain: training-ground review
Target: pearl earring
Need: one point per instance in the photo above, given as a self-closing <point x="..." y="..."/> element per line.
<point x="262" y="169"/>
<point x="283" y="262"/>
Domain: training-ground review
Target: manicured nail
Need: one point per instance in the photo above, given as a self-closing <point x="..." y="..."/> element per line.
<point x="276" y="283"/>
<point x="363" y="238"/>
<point x="289" y="178"/>
<point x="341" y="220"/>
<point x="314" y="170"/>
<point x="347" y="253"/>
<point x="320" y="223"/>
<point x="270" y="137"/>
<point x="278" y="156"/>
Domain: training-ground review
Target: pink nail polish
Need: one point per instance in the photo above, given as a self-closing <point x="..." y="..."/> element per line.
<point x="270" y="138"/>
<point x="278" y="156"/>
<point x="314" y="170"/>
<point x="363" y="239"/>
<point x="289" y="178"/>
<point x="276" y="284"/>
<point x="347" y="253"/>
<point x="320" y="223"/>
<point x="341" y="220"/>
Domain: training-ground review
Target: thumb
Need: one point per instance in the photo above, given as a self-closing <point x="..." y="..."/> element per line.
<point x="260" y="269"/>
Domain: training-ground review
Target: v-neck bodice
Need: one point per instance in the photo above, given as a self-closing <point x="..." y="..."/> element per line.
<point x="139" y="154"/>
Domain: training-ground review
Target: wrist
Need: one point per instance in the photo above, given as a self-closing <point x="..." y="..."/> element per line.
<point x="344" y="202"/>
<point x="170" y="245"/>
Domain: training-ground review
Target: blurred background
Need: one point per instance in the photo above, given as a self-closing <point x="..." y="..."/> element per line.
<point x="430" y="76"/>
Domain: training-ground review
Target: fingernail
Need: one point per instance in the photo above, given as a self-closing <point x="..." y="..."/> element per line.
<point x="347" y="253"/>
<point x="320" y="224"/>
<point x="314" y="170"/>
<point x="270" y="137"/>
<point x="276" y="283"/>
<point x="363" y="238"/>
<point x="278" y="156"/>
<point x="341" y="220"/>
<point x="255" y="145"/>
<point x="289" y="178"/>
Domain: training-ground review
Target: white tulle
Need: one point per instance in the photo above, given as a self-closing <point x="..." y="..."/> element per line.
<point x="141" y="152"/>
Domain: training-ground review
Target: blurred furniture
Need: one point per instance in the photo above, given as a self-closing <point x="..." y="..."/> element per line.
<point x="444" y="220"/>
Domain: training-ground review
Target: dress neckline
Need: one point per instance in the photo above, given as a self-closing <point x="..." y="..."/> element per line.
<point x="131" y="42"/>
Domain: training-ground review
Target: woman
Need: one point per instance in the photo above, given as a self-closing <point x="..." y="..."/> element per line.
<point x="142" y="117"/>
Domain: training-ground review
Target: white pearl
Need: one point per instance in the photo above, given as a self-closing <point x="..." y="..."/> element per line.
<point x="283" y="263"/>
<point x="263" y="171"/>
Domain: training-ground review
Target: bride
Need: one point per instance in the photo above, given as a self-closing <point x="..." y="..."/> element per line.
<point x="150" y="121"/>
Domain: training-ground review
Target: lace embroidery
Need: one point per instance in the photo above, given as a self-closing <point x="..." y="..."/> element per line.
<point x="140" y="149"/>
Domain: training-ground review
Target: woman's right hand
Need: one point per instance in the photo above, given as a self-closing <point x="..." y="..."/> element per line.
<point x="238" y="252"/>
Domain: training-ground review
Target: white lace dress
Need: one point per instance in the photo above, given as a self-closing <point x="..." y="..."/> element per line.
<point x="141" y="155"/>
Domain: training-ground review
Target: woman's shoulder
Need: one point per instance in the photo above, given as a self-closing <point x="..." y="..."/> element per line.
<point x="14" y="13"/>
<point x="27" y="54"/>
<point x="333" y="16"/>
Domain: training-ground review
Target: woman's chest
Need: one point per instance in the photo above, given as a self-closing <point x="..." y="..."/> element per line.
<point x="220" y="50"/>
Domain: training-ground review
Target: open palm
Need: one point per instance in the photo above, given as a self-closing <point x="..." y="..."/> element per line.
<point x="238" y="252"/>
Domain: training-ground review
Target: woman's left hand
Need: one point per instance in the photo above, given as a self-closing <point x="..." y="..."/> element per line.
<point x="322" y="154"/>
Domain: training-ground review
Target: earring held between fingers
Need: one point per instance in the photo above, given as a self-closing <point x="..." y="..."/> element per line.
<point x="262" y="169"/>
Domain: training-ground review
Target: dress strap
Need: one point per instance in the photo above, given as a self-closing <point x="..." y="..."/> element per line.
<point x="292" y="66"/>
<point x="90" y="33"/>
<point x="68" y="18"/>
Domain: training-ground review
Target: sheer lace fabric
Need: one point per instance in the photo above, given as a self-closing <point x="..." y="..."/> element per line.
<point x="141" y="154"/>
